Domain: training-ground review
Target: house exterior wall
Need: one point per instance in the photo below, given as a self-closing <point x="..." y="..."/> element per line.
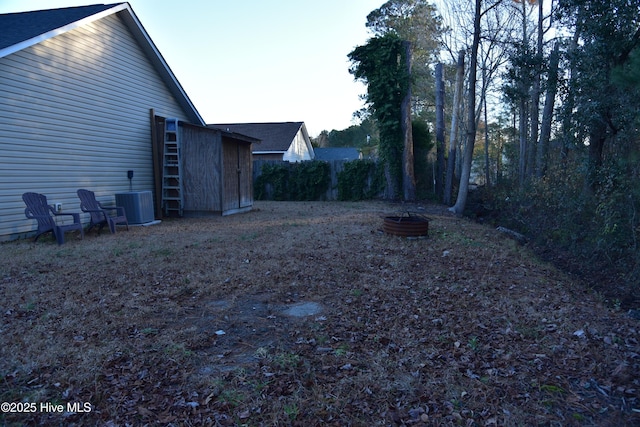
<point x="267" y="156"/>
<point x="299" y="149"/>
<point x="74" y="113"/>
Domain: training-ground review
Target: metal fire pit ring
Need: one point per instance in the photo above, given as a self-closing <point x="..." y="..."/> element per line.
<point x="409" y="225"/>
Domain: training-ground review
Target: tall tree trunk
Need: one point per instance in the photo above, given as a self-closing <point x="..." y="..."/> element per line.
<point x="409" y="178"/>
<point x="390" y="191"/>
<point x="523" y="128"/>
<point x="439" y="129"/>
<point x="535" y="97"/>
<point x="465" y="173"/>
<point x="522" y="132"/>
<point x="453" y="135"/>
<point x="569" y="102"/>
<point x="597" y="139"/>
<point x="498" y="159"/>
<point x="547" y="113"/>
<point x="487" y="163"/>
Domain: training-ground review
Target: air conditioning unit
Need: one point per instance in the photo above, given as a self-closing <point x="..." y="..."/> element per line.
<point x="138" y="205"/>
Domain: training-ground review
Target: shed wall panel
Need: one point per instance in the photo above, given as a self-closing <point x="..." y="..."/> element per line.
<point x="201" y="174"/>
<point x="74" y="113"/>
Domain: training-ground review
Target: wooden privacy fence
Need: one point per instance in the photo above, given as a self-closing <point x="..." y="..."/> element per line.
<point x="336" y="167"/>
<point x="425" y="180"/>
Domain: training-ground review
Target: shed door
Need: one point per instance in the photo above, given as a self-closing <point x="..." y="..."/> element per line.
<point x="245" y="176"/>
<point x="237" y="176"/>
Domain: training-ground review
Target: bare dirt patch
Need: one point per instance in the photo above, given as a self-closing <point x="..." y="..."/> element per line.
<point x="307" y="314"/>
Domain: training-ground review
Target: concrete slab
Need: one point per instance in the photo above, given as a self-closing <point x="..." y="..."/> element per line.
<point x="303" y="309"/>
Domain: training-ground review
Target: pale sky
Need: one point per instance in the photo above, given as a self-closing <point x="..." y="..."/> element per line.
<point x="255" y="60"/>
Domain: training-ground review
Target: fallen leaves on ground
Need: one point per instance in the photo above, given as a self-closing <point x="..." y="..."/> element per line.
<point x="184" y="323"/>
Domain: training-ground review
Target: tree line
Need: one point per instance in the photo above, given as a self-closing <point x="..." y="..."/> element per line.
<point x="536" y="100"/>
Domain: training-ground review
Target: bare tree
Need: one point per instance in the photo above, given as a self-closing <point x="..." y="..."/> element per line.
<point x="457" y="18"/>
<point x="453" y="136"/>
<point x="465" y="173"/>
<point x="547" y="114"/>
<point x="439" y="129"/>
<point x="497" y="28"/>
<point x="490" y="56"/>
<point x="536" y="92"/>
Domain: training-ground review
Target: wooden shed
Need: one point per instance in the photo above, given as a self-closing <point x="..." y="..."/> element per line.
<point x="201" y="171"/>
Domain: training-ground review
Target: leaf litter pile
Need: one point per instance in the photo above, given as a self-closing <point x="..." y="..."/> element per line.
<point x="306" y="313"/>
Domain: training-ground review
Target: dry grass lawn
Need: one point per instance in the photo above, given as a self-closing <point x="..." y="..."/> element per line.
<point x="186" y="323"/>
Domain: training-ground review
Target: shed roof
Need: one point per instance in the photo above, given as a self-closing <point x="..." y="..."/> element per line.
<point x="25" y="29"/>
<point x="237" y="137"/>
<point x="275" y="137"/>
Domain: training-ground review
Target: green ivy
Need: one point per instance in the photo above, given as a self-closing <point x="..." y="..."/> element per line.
<point x="380" y="65"/>
<point x="359" y="180"/>
<point x="293" y="181"/>
<point x="272" y="184"/>
<point x="309" y="180"/>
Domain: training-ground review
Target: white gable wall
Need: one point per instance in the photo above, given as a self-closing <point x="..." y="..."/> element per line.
<point x="74" y="113"/>
<point x="299" y="149"/>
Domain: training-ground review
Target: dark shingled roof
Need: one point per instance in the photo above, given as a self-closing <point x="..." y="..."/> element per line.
<point x="274" y="136"/>
<point x="19" y="27"/>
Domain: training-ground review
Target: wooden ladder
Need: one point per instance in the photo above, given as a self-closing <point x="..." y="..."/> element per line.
<point x="172" y="191"/>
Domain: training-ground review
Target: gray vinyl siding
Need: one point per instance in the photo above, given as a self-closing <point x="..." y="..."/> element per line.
<point x="74" y="113"/>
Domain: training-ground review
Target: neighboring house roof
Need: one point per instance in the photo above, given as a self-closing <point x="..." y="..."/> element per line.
<point x="274" y="137"/>
<point x="288" y="139"/>
<point x="337" y="153"/>
<point x="25" y="29"/>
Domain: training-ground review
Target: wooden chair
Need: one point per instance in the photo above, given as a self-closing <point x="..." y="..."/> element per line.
<point x="45" y="214"/>
<point x="101" y="215"/>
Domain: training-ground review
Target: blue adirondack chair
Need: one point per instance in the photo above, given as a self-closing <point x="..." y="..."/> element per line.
<point x="101" y="215"/>
<point x="46" y="216"/>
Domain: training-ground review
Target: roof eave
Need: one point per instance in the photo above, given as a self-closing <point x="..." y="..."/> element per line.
<point x="50" y="34"/>
<point x="157" y="59"/>
<point x="240" y="137"/>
